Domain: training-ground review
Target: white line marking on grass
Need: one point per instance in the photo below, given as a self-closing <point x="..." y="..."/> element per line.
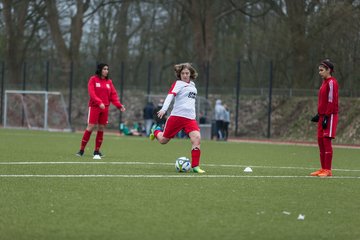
<point x="82" y="163"/>
<point x="167" y="164"/>
<point x="291" y="143"/>
<point x="157" y="176"/>
<point x="277" y="167"/>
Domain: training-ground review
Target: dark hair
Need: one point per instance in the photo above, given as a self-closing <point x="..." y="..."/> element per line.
<point x="100" y="68"/>
<point x="327" y="64"/>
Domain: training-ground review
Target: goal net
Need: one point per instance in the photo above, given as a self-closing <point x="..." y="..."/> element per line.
<point x="41" y="110"/>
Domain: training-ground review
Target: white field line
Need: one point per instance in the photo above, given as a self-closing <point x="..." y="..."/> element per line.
<point x="168" y="164"/>
<point x="159" y="176"/>
<point x="292" y="143"/>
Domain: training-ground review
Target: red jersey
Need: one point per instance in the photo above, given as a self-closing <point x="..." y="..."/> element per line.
<point x="328" y="102"/>
<point x="102" y="91"/>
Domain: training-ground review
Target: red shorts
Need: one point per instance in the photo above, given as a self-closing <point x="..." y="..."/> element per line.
<point x="330" y="130"/>
<point x="97" y="115"/>
<point x="175" y="124"/>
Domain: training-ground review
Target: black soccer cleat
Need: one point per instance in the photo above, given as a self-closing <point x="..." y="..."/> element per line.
<point x="80" y="153"/>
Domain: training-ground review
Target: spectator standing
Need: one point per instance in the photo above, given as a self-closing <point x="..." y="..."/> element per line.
<point x="159" y="121"/>
<point x="148" y="112"/>
<point x="219" y="119"/>
<point x="226" y="122"/>
<point x="202" y="118"/>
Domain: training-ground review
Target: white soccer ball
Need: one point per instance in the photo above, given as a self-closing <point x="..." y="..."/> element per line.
<point x="182" y="164"/>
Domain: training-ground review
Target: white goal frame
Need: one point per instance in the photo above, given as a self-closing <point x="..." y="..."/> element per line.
<point x="46" y="109"/>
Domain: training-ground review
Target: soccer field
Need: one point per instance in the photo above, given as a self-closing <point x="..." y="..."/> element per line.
<point x="134" y="192"/>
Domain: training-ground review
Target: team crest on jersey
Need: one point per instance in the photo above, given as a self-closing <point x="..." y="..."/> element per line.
<point x="108" y="85"/>
<point x="97" y="84"/>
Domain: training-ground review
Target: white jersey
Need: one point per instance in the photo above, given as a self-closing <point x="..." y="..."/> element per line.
<point x="185" y="97"/>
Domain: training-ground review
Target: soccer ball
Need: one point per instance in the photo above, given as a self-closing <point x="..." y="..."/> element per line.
<point x="182" y="164"/>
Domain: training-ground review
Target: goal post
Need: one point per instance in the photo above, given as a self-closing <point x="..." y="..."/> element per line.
<point x="40" y="110"/>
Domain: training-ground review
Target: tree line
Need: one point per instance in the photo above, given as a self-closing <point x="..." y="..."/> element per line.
<point x="213" y="34"/>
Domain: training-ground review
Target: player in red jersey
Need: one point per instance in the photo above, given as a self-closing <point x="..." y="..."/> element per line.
<point x="327" y="117"/>
<point x="102" y="92"/>
<point x="182" y="116"/>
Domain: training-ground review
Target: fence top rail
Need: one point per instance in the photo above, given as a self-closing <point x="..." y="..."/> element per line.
<point x="32" y="92"/>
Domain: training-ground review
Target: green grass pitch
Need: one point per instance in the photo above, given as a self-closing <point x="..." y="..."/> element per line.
<point x="134" y="192"/>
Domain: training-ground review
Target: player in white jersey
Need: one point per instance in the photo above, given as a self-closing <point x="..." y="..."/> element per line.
<point x="183" y="116"/>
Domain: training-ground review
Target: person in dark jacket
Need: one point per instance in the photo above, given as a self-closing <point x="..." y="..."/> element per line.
<point x="148" y="114"/>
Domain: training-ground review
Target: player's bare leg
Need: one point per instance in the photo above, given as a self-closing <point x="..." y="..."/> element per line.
<point x="158" y="133"/>
<point x="160" y="137"/>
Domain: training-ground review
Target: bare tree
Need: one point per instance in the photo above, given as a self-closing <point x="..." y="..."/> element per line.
<point x="301" y="38"/>
<point x="205" y="17"/>
<point x="67" y="47"/>
<point x="121" y="43"/>
<point x="295" y="34"/>
<point x="21" y="23"/>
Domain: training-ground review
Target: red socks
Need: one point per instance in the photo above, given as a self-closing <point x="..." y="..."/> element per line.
<point x="322" y="152"/>
<point x="98" y="140"/>
<point x="326" y="152"/>
<point x="195" y="157"/>
<point x="85" y="139"/>
<point x="156" y="132"/>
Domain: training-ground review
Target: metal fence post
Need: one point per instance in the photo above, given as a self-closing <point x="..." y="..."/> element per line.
<point x="237" y="98"/>
<point x="47" y="75"/>
<point x="270" y="100"/>
<point x="207" y="78"/>
<point x="2" y="90"/>
<point x="23" y="88"/>
<point x="122" y="80"/>
<point x="70" y="91"/>
<point x="149" y="81"/>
